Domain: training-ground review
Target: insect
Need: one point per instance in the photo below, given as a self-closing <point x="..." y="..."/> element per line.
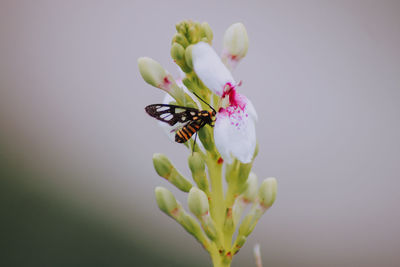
<point x="192" y="118"/>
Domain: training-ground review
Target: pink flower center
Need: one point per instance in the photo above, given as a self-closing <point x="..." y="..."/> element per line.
<point x="236" y="107"/>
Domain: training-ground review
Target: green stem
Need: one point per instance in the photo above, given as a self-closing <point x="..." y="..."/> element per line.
<point x="217" y="205"/>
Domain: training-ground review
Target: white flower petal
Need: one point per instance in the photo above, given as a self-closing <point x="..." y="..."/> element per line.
<point x="251" y="110"/>
<point x="235" y="133"/>
<point x="210" y="69"/>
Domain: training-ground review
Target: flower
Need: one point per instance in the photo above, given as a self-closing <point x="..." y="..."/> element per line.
<point x="234" y="131"/>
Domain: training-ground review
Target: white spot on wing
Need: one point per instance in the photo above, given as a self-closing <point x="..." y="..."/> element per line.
<point x="162" y="108"/>
<point x="166" y="116"/>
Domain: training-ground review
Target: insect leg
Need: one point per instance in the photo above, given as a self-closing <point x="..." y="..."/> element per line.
<point x="194" y="144"/>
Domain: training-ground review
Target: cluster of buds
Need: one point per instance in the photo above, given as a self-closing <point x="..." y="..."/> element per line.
<point x="228" y="149"/>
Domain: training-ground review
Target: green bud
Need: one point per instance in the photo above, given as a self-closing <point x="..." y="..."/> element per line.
<point x="180" y="39"/>
<point x="197" y="202"/>
<point x="236" y="41"/>
<point x="153" y="73"/>
<point x="197" y="167"/>
<point x="166" y="201"/>
<point x="196" y="163"/>
<point x="194" y="34"/>
<point x="162" y="165"/>
<point x="177" y="52"/>
<point x="267" y="192"/>
<point x="207" y="32"/>
<point x="165" y="169"/>
<point x="244" y="171"/>
<point x="178" y="55"/>
<point x="250" y="194"/>
<point x="180" y="27"/>
<point x="188" y="56"/>
<point x="207" y="139"/>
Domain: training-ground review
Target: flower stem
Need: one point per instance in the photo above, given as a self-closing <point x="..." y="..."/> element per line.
<point x="217" y="204"/>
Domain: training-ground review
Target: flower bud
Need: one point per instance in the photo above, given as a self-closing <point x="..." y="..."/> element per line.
<point x="206" y="139"/>
<point x="244" y="171"/>
<point x="180" y="39"/>
<point x="267" y="192"/>
<point x="162" y="165"/>
<point x="180" y="27"/>
<point x="250" y="194"/>
<point x="178" y="55"/>
<point x="198" y="205"/>
<point x="153" y="73"/>
<point x="197" y="167"/>
<point x="166" y="201"/>
<point x="198" y="202"/>
<point x="194" y="34"/>
<point x="188" y="56"/>
<point x="165" y="169"/>
<point x="236" y="43"/>
<point x="177" y="52"/>
<point x="207" y="32"/>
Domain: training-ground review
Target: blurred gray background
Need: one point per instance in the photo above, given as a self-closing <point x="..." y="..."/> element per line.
<point x="77" y="178"/>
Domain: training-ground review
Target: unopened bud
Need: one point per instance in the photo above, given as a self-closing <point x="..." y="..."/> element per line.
<point x="165" y="169"/>
<point x="166" y="201"/>
<point x="267" y="192"/>
<point x="177" y="52"/>
<point x="178" y="55"/>
<point x="206" y="139"/>
<point x="194" y="34"/>
<point x="188" y="56"/>
<point x="154" y="74"/>
<point x="236" y="41"/>
<point x="197" y="167"/>
<point x="207" y="32"/>
<point x="180" y="39"/>
<point x="244" y="171"/>
<point x="250" y="194"/>
<point x="198" y="202"/>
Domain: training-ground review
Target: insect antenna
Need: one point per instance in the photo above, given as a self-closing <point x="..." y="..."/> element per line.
<point x="204" y="102"/>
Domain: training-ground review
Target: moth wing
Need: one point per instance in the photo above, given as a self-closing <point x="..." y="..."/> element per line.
<point x="171" y="114"/>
